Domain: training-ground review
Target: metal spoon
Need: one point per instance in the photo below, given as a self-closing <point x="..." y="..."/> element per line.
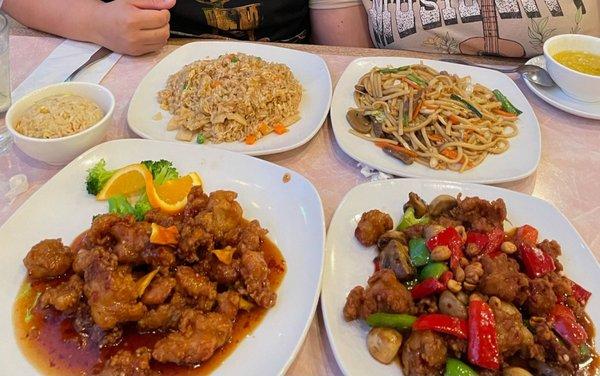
<point x="532" y="73"/>
<point x="101" y="53"/>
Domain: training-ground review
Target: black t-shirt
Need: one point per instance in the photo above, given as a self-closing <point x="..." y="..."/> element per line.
<point x="267" y="20"/>
<point x="260" y="20"/>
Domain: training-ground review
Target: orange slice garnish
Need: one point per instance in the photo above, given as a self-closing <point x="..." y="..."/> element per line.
<point x="171" y="196"/>
<point x="126" y="181"/>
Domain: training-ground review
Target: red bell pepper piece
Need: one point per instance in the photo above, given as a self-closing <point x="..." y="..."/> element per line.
<point x="526" y="234"/>
<point x="495" y="239"/>
<point x="483" y="341"/>
<point x="445" y="277"/>
<point x="570" y="330"/>
<point x="451" y="239"/>
<point x="579" y="293"/>
<point x="537" y="263"/>
<point x="560" y="310"/>
<point x="478" y="238"/>
<point x="428" y="287"/>
<point x="442" y="323"/>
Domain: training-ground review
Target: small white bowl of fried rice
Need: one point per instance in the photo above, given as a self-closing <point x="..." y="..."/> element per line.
<point x="57" y="123"/>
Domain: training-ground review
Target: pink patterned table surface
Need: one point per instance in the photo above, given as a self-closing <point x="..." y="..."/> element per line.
<point x="568" y="175"/>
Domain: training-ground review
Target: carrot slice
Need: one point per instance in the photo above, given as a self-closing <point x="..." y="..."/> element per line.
<point x="417" y="109"/>
<point x="504" y="114"/>
<point x="450" y="153"/>
<point x="250" y="139"/>
<point x="411" y="84"/>
<point x="280" y="128"/>
<point x="435" y="137"/>
<point x="454" y="119"/>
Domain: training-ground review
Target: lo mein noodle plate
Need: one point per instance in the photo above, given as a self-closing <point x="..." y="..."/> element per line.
<point x="417" y="114"/>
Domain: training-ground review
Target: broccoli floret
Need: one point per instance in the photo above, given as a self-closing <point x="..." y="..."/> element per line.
<point x="97" y="177"/>
<point x="162" y="171"/>
<point x="119" y="205"/>
<point x="142" y="206"/>
<point x="409" y="219"/>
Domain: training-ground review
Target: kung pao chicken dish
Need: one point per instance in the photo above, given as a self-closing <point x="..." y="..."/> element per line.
<point x="150" y="296"/>
<point x="453" y="293"/>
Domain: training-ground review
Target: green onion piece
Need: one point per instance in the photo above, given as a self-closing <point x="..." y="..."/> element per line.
<point x="468" y="105"/>
<point x="399" y="321"/>
<point x="234" y="59"/>
<point x="200" y="138"/>
<point x="393" y="70"/>
<point x="585" y="352"/>
<point x="28" y="313"/>
<point x="506" y="105"/>
<point x="416" y="79"/>
<point x="405" y="119"/>
<point x="433" y="270"/>
<point x="455" y="367"/>
<point x="419" y="254"/>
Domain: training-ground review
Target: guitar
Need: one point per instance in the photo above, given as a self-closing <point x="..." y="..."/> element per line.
<point x="491" y="43"/>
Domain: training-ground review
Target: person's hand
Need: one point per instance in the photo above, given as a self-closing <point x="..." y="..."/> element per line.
<point x="133" y="27"/>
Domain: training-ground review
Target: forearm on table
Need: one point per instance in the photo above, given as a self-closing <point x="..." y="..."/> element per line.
<point x="67" y="18"/>
<point x="346" y="26"/>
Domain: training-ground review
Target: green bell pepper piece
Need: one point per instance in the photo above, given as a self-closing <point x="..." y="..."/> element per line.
<point x="419" y="253"/>
<point x="394" y="70"/>
<point x="433" y="270"/>
<point x="455" y="367"/>
<point x="467" y="104"/>
<point x="506" y="105"/>
<point x="409" y="219"/>
<point x="398" y="321"/>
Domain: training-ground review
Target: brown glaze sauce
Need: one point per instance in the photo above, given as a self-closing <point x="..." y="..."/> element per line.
<point x="48" y="340"/>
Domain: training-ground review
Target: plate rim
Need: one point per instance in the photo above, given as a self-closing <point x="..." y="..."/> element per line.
<point x="322" y="233"/>
<point x="553" y="102"/>
<point x="269" y="151"/>
<point x="491" y="180"/>
<point x="336" y="217"/>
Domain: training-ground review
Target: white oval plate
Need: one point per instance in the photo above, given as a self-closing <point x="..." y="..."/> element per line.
<point x="348" y="263"/>
<point x="518" y="162"/>
<point x="292" y="212"/>
<point x="308" y="68"/>
<point x="554" y="96"/>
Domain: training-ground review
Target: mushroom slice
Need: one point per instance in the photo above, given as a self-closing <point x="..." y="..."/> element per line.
<point x="395" y="257"/>
<point x="416" y="203"/>
<point x="358" y="121"/>
<point x="390" y="235"/>
<point x="360" y="89"/>
<point x="384" y="343"/>
<point x="405" y="158"/>
<point x="377" y="128"/>
<point x="441" y="204"/>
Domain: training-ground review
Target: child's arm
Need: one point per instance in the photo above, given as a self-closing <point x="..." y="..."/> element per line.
<point x="133" y="27"/>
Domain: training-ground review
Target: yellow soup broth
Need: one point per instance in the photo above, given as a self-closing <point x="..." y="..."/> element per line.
<point x="581" y="61"/>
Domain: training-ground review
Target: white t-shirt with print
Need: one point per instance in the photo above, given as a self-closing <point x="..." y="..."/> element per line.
<point x="510" y="28"/>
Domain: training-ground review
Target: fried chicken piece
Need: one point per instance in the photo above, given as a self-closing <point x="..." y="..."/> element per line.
<point x="251" y="237"/>
<point x="199" y="336"/>
<point x="255" y="274"/>
<point x="48" y="258"/>
<point x="165" y="316"/>
<point x="158" y="291"/>
<point x="197" y="286"/>
<point x="501" y="278"/>
<point x="424" y="354"/>
<point x="158" y="255"/>
<point x="371" y="226"/>
<point x="111" y="291"/>
<point x="479" y="214"/>
<point x="65" y="296"/>
<point x="99" y="233"/>
<point x="384" y="294"/>
<point x="513" y="336"/>
<point x="126" y="363"/>
<point x="192" y="240"/>
<point x="221" y="217"/>
<point x="228" y="303"/>
<point x="130" y="241"/>
<point x="196" y="202"/>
